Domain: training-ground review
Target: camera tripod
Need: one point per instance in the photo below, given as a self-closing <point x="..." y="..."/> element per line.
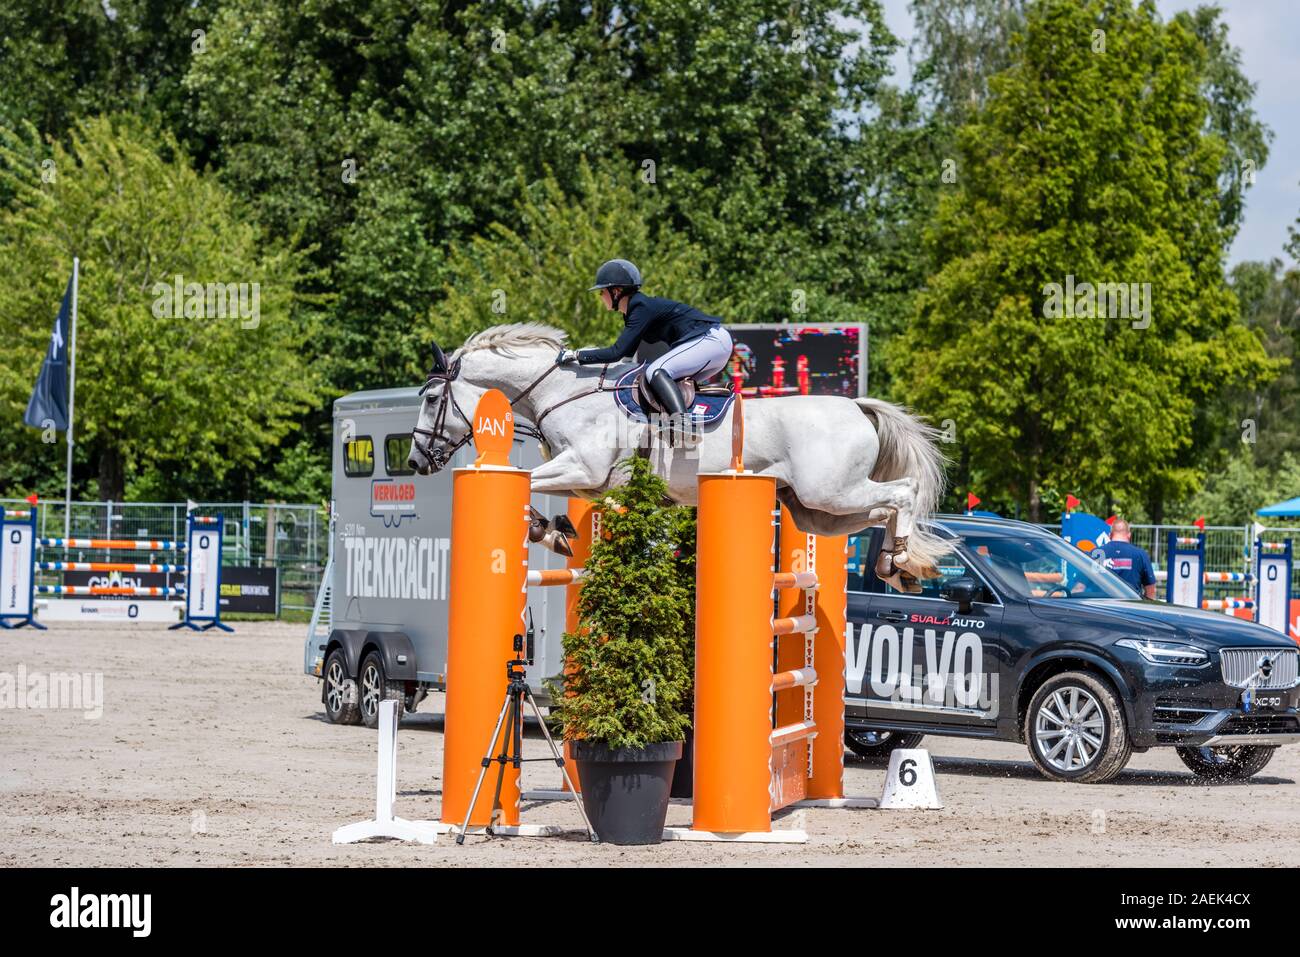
<point x="512" y="743"/>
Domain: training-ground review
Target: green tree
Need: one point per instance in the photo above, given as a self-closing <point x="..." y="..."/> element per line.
<point x="541" y="271"/>
<point x="1228" y="94"/>
<point x="1087" y="164"/>
<point x="1292" y="245"/>
<point x="179" y="402"/>
<point x="767" y="130"/>
<point x="61" y="59"/>
<point x="1246" y="483"/>
<point x="630" y="679"/>
<point x="1267" y="417"/>
<point x="958" y="45"/>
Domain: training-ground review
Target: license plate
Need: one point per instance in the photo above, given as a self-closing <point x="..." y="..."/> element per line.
<point x="1267" y="701"/>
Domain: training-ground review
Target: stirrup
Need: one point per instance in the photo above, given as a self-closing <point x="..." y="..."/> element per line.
<point x="684" y="431"/>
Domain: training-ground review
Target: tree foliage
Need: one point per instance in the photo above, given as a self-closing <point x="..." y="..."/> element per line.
<point x="1244" y="484"/>
<point x="751" y="120"/>
<point x="1096" y="166"/>
<point x="537" y="267"/>
<point x="629" y="678"/>
<point x="64" y="59"/>
<point x="177" y="401"/>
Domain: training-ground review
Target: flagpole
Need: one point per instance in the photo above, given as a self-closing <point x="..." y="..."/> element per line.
<point x="72" y="397"/>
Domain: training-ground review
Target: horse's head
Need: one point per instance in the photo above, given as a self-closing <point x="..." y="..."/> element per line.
<point x="514" y="358"/>
<point x="443" y="426"/>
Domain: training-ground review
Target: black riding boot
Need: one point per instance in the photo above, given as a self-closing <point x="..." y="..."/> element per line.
<point x="669" y="395"/>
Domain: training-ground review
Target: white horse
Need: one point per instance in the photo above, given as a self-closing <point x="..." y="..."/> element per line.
<point x="840" y="464"/>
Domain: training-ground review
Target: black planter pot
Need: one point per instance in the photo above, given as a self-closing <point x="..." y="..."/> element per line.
<point x="625" y="790"/>
<point x="684" y="774"/>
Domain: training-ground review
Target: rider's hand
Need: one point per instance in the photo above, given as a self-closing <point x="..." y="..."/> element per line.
<point x="565" y="357"/>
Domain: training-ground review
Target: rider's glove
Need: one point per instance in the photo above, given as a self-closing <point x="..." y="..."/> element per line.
<point x="565" y="357"/>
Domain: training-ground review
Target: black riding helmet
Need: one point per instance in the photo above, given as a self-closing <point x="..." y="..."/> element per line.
<point x="617" y="273"/>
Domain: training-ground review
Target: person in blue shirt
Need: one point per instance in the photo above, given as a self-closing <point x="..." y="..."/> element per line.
<point x="698" y="345"/>
<point x="1126" y="560"/>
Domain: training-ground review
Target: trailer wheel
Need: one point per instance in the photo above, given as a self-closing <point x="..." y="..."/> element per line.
<point x="339" y="692"/>
<point x="373" y="687"/>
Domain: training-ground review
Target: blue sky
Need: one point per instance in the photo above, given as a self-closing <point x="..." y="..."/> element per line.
<point x="1267" y="33"/>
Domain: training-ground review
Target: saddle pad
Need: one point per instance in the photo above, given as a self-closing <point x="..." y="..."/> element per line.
<point x="709" y="408"/>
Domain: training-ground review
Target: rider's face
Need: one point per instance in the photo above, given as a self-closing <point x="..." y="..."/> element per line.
<point x="607" y="298"/>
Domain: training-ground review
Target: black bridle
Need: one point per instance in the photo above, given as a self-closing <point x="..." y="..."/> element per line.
<point x="440" y="455"/>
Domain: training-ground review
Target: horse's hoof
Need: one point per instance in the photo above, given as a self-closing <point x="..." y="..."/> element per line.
<point x="564" y="526"/>
<point x="556" y="542"/>
<point x="913" y="570"/>
<point x="885" y="567"/>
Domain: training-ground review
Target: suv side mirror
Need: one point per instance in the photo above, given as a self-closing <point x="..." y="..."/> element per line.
<point x="963" y="591"/>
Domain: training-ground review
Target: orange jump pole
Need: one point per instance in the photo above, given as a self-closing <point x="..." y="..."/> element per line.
<point x="733" y="654"/>
<point x="489" y="562"/>
<point x="488" y="584"/>
<point x="489" y="569"/>
<point x="769" y="711"/>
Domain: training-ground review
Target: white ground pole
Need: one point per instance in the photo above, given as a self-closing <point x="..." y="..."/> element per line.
<point x="385" y="824"/>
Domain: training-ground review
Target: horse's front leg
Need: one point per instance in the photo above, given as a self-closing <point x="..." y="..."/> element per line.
<point x="569" y="474"/>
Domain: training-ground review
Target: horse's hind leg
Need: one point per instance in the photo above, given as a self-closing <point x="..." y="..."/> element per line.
<point x="823" y="523"/>
<point x="873" y="503"/>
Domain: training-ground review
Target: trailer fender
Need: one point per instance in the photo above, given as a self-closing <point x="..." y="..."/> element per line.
<point x="397" y="651"/>
<point x="352" y="641"/>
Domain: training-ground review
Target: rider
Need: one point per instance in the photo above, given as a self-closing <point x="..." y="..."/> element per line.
<point x="698" y="345"/>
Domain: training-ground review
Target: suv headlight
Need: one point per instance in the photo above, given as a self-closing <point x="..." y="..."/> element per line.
<point x="1166" y="652"/>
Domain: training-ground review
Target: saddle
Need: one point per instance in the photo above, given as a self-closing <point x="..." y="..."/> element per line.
<point x="634" y="396"/>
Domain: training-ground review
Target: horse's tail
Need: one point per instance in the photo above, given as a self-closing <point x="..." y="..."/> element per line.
<point x="909" y="449"/>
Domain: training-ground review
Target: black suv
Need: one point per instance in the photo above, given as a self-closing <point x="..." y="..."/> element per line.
<point x="1024" y="638"/>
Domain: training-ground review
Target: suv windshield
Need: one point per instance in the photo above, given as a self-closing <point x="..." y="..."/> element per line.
<point x="1042" y="566"/>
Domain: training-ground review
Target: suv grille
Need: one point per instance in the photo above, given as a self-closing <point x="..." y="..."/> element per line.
<point x="1240" y="663"/>
<point x="1260" y="724"/>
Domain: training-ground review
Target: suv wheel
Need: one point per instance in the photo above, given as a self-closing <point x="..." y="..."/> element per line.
<point x="1227" y="762"/>
<point x="878" y="744"/>
<point x="1075" y="729"/>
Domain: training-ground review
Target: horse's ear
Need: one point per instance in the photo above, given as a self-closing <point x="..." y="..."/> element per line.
<point x="439" y="360"/>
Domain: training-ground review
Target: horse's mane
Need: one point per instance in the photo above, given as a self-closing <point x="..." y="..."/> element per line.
<point x="512" y="337"/>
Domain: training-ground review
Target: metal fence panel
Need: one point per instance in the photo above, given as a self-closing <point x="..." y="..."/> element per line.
<point x="288" y="536"/>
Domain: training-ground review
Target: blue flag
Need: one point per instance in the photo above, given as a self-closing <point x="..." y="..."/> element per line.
<point x="49" y="401"/>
